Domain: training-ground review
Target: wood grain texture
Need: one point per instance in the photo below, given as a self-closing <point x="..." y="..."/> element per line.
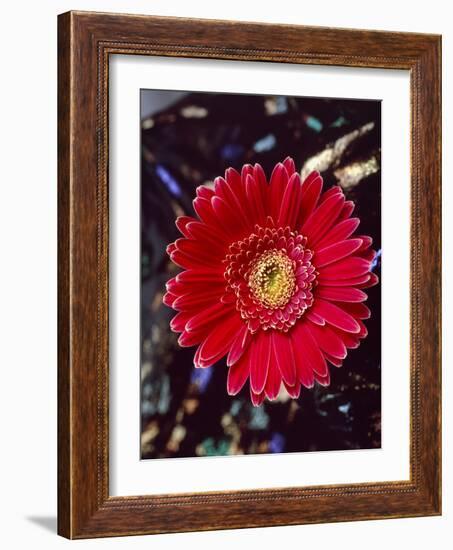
<point x="64" y="155"/>
<point x="85" y="42"/>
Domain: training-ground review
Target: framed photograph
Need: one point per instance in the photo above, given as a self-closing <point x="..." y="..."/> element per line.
<point x="249" y="275"/>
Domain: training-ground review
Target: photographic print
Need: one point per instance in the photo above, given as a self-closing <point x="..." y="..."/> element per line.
<point x="224" y="209"/>
<point x="260" y="274"/>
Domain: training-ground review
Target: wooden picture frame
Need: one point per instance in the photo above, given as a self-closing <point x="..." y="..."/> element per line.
<point x="85" y="41"/>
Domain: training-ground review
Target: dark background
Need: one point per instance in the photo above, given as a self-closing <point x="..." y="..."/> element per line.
<point x="187" y="140"/>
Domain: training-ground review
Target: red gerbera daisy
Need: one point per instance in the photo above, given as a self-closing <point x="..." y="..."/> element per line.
<point x="272" y="278"/>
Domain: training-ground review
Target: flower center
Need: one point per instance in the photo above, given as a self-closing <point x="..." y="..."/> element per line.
<point x="269" y="276"/>
<point x="272" y="279"/>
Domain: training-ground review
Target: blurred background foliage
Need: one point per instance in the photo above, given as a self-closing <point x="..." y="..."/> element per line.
<point x="187" y="140"/>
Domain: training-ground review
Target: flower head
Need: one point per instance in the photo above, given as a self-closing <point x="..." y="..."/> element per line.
<point x="272" y="279"/>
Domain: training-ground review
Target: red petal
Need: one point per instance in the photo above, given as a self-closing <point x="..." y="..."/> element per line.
<point x="341" y="294"/>
<point x="283" y="350"/>
<point x="336" y="316"/>
<point x="335" y="190"/>
<point x="179" y="321"/>
<point x="305" y="344"/>
<point x="204" y="192"/>
<point x="189" y="339"/>
<point x="278" y="183"/>
<point x="288" y="163"/>
<point x="304" y="369"/>
<point x="227" y="216"/>
<point x="198" y="251"/>
<point x="293" y="391"/>
<point x="259" y="363"/>
<point x="187" y="261"/>
<point x="196" y="299"/>
<point x="366" y="242"/>
<point x="333" y="360"/>
<point x="259" y="175"/>
<point x="255" y="200"/>
<point x="203" y="208"/>
<point x="372" y="280"/>
<point x="368" y="255"/>
<point x="209" y="315"/>
<point x="339" y="232"/>
<point x="290" y="205"/>
<point x="171" y="283"/>
<point x="336" y="252"/>
<point x="169" y="298"/>
<point x="320" y="221"/>
<point x="358" y="282"/>
<point x="256" y="399"/>
<point x="363" y="330"/>
<point x="360" y="311"/>
<point x="312" y="176"/>
<point x="179" y="288"/>
<point x="205" y="275"/>
<point x="311" y="191"/>
<point x="347" y="210"/>
<point x="351" y="341"/>
<point x="219" y="340"/>
<point x="239" y="346"/>
<point x="260" y="178"/>
<point x="182" y="222"/>
<point x="314" y="318"/>
<point x="228" y="298"/>
<point x="274" y="378"/>
<point x="247" y="170"/>
<point x="238" y="184"/>
<point x="238" y="374"/>
<point x="232" y="197"/>
<point x="323" y="380"/>
<point x="201" y="231"/>
<point x="347" y="268"/>
<point x="233" y="178"/>
<point x="171" y="248"/>
<point x="328" y="341"/>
